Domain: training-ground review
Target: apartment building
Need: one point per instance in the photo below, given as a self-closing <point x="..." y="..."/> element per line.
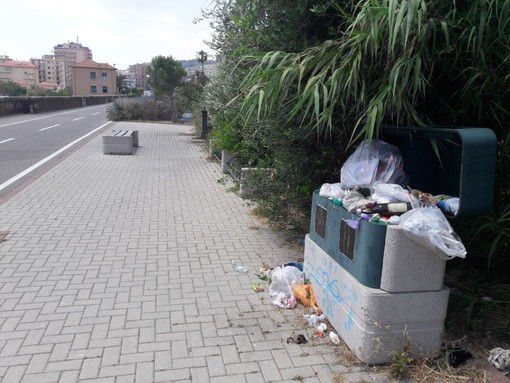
<point x="138" y="76"/>
<point x="51" y="71"/>
<point x="92" y="78"/>
<point x="22" y="72"/>
<point x="71" y="53"/>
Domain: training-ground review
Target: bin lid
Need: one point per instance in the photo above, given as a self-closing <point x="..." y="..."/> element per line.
<point x="456" y="161"/>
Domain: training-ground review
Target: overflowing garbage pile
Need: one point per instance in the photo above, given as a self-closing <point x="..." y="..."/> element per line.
<point x="287" y="287"/>
<point x="374" y="187"/>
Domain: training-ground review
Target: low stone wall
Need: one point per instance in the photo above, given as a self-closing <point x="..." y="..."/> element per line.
<point x="14" y="105"/>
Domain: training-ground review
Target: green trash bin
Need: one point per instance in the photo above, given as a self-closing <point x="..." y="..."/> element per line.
<point x="455" y="161"/>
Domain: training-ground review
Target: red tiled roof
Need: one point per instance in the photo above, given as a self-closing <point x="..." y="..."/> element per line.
<point x="14" y="63"/>
<point x="92" y="64"/>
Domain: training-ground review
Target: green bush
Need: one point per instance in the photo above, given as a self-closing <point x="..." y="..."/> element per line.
<point x="295" y="104"/>
<point x="127" y="110"/>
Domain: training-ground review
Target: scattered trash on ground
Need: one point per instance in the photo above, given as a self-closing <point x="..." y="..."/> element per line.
<point x="304" y="294"/>
<point x="500" y="358"/>
<point x="287" y="287"/>
<point x="280" y="289"/>
<point x="239" y="267"/>
<point x="300" y="339"/>
<point x="314" y="319"/>
<point x="257" y="288"/>
<point x="458" y="355"/>
<point x="334" y="338"/>
<point x="320" y="330"/>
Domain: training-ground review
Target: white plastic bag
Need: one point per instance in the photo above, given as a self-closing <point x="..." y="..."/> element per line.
<point x="371" y="163"/>
<point x="335" y="191"/>
<point x="338" y="191"/>
<point x="325" y="190"/>
<point x="280" y="289"/>
<point x="429" y="227"/>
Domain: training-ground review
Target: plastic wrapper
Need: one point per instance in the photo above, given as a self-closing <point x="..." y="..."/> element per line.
<point x="388" y="193"/>
<point x="354" y="200"/>
<point x="500" y="358"/>
<point x="429" y="227"/>
<point x="371" y="163"/>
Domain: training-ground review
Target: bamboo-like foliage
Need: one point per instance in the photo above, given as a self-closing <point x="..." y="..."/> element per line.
<point x="484" y="60"/>
<point x="380" y="68"/>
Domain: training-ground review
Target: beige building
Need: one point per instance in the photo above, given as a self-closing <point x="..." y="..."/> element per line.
<point x="22" y="72"/>
<point x="94" y="79"/>
<point x="71" y="53"/>
<point x="138" y="76"/>
<point x="51" y="71"/>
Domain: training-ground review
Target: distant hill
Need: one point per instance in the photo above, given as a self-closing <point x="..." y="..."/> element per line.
<point x="194" y="63"/>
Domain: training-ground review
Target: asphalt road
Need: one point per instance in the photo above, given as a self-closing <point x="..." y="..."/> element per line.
<point x="29" y="143"/>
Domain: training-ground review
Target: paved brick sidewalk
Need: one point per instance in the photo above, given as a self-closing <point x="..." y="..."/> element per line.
<point x="118" y="269"/>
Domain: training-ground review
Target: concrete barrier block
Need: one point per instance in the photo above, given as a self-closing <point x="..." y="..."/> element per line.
<point x="117" y="149"/>
<point x="409" y="266"/>
<point x="226" y="157"/>
<point x="135" y="138"/>
<point x="373" y="323"/>
<point x="120" y="142"/>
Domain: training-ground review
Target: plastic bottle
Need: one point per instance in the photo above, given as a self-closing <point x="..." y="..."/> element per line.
<point x="448" y="204"/>
<point x="337" y="202"/>
<point x="386" y="208"/>
<point x="238" y="267"/>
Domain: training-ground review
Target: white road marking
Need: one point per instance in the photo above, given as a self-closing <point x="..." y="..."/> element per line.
<point x="49" y="127"/>
<point x="79" y="118"/>
<point x="44" y="160"/>
<point x="93" y="114"/>
<point x="51" y="115"/>
<point x="7" y="140"/>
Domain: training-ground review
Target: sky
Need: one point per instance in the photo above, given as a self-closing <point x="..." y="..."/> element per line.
<point x="119" y="32"/>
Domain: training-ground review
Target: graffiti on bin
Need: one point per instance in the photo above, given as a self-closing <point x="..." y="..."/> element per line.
<point x="333" y="294"/>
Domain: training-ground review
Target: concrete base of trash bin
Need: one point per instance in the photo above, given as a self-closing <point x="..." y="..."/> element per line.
<point x="373" y="323"/>
<point x="409" y="266"/>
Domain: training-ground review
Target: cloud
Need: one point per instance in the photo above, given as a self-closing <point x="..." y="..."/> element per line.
<point x="170" y="19"/>
<point x="157" y="33"/>
<point x="69" y="11"/>
<point x="95" y="33"/>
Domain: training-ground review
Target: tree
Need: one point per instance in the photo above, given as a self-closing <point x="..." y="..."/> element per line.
<point x="37" y="91"/>
<point x="187" y="97"/>
<point x="12" y="89"/>
<point x="60" y="92"/>
<point x="202" y="58"/>
<point x="165" y="73"/>
<point x="122" y="87"/>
